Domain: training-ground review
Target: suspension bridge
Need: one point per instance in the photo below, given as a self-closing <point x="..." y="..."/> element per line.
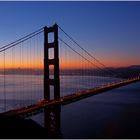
<point x="49" y="68"/>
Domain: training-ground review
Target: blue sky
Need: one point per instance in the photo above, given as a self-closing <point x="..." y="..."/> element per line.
<point x="109" y="30"/>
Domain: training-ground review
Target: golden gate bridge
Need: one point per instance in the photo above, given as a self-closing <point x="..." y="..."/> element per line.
<point x="41" y="70"/>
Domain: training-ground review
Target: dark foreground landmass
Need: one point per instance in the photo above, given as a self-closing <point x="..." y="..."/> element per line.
<point x="19" y="128"/>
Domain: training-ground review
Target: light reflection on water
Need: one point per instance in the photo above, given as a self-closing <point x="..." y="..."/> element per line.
<point x="23" y="90"/>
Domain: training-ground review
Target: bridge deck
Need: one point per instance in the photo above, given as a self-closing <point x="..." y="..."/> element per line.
<point x="39" y="106"/>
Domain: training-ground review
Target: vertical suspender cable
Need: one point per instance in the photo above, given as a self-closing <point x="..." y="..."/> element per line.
<point x="20" y="77"/>
<point x="61" y="63"/>
<point x="4" y="83"/>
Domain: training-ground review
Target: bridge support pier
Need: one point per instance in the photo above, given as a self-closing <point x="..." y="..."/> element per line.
<point x="52" y="121"/>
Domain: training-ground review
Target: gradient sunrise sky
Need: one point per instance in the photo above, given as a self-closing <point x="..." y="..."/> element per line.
<point x="109" y="30"/>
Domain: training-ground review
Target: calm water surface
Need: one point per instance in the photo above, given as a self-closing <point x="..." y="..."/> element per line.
<point x="113" y="113"/>
<point x="20" y="90"/>
<point x="99" y="116"/>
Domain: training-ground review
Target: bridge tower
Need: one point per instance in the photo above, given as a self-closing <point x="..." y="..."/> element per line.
<point x="54" y="62"/>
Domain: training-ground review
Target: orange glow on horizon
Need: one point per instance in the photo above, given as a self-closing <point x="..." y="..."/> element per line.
<point x="71" y="64"/>
<point x="62" y="66"/>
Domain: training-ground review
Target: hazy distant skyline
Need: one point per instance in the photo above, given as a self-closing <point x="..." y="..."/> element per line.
<point x="109" y="30"/>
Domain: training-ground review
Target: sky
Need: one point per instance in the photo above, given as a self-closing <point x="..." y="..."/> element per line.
<point x="110" y="31"/>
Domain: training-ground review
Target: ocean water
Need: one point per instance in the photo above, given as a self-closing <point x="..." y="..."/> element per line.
<point x="112" y="114"/>
<point x="22" y="90"/>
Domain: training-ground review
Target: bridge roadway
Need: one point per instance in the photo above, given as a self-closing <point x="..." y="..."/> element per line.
<point x="39" y="106"/>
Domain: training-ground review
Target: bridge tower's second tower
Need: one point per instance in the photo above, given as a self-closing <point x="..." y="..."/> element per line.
<point x="51" y="66"/>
